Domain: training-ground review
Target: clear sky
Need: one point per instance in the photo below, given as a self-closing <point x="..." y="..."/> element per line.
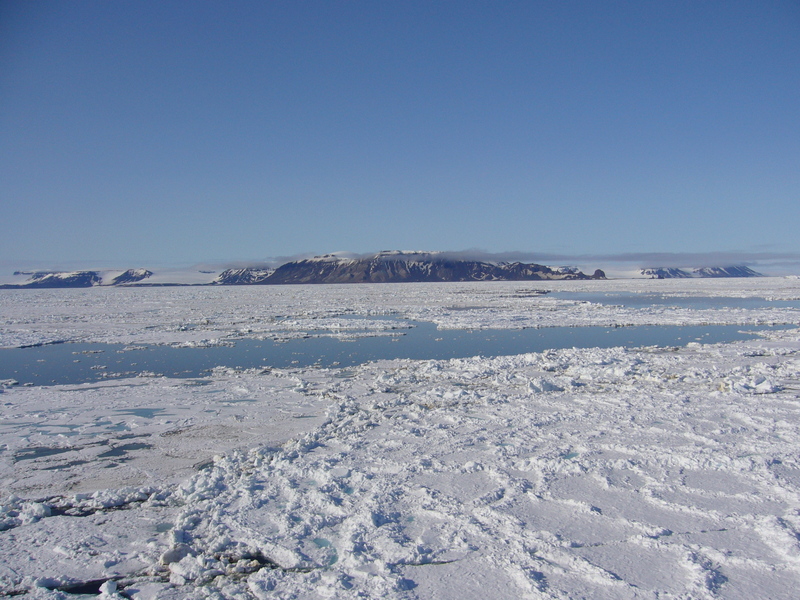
<point x="139" y="133"/>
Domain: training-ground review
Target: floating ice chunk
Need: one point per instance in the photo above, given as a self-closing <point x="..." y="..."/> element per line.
<point x="108" y="590"/>
<point x="749" y="385"/>
<point x="541" y="384"/>
<point x="176" y="554"/>
<point x="186" y="569"/>
<point x="15" y="512"/>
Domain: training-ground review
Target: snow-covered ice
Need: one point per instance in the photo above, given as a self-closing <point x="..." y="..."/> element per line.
<point x="209" y="315"/>
<point x="597" y="473"/>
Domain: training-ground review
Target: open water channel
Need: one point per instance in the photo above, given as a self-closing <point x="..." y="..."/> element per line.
<point x="71" y="363"/>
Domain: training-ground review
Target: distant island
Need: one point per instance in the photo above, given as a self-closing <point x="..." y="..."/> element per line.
<point x="382" y="267"/>
<point x="396" y="266"/>
<point x="704" y="272"/>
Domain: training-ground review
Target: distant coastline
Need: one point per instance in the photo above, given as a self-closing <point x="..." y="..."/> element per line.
<point x="382" y="267"/>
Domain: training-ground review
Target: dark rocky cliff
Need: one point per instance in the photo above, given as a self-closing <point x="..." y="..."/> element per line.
<point x="131" y="276"/>
<point x="245" y="276"/>
<point x="412" y="267"/>
<point x="46" y="279"/>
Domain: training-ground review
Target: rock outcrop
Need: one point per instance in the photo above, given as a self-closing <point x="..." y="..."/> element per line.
<point x="703" y="272"/>
<point x="245" y="276"/>
<point x="393" y="267"/>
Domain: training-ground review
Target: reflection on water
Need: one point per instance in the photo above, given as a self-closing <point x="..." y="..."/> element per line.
<point x="55" y="364"/>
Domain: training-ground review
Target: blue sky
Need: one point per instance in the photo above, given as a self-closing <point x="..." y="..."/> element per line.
<point x="149" y="133"/>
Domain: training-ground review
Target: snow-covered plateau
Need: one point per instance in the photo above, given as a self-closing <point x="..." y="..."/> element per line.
<point x="572" y="473"/>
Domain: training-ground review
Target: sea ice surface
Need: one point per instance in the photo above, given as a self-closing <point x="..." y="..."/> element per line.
<point x="603" y="473"/>
<point x="197" y="316"/>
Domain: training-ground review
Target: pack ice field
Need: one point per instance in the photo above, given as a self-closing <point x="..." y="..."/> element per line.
<point x="631" y="469"/>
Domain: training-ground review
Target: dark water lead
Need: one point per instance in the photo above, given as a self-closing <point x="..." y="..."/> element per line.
<point x="80" y="363"/>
